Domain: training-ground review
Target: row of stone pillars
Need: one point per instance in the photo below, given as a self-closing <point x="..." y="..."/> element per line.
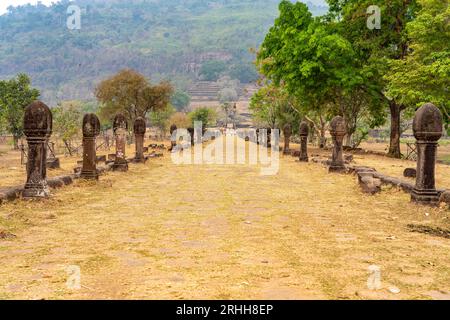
<point x="427" y="127"/>
<point x="38" y="122"/>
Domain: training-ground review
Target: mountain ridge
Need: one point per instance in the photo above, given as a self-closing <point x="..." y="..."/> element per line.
<point x="168" y="39"/>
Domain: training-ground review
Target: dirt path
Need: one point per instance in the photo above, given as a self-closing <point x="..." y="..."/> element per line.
<point x="163" y="231"/>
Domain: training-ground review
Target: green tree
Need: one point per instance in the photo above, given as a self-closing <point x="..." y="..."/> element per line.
<point x="204" y="114"/>
<point x="15" y="95"/>
<point x="424" y="75"/>
<point x="211" y="70"/>
<point x="160" y="118"/>
<point x="180" y="100"/>
<point x="67" y="120"/>
<point x="315" y="64"/>
<point x="131" y="93"/>
<point x="244" y="72"/>
<point x="377" y="49"/>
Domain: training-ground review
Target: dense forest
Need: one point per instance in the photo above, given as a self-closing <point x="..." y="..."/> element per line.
<point x="162" y="39"/>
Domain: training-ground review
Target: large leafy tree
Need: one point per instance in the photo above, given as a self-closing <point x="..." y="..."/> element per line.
<point x="376" y="49"/>
<point x="131" y="93"/>
<point x="15" y="95"/>
<point x="424" y="76"/>
<point x="319" y="66"/>
<point x="272" y="106"/>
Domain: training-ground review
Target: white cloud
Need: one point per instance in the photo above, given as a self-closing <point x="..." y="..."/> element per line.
<point x="6" y="3"/>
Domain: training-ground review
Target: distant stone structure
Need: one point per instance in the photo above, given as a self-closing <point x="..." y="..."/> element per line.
<point x="427" y="127"/>
<point x="139" y="129"/>
<point x="120" y="127"/>
<point x="337" y="131"/>
<point x="91" y="129"/>
<point x="287" y="133"/>
<point x="37" y="125"/>
<point x="303" y="132"/>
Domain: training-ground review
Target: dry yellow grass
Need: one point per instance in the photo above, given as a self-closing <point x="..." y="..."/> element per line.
<point x="162" y="231"/>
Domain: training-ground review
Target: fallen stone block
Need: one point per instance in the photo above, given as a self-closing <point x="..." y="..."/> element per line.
<point x="10" y="194"/>
<point x="53" y="163"/>
<point x="368" y="183"/>
<point x="348" y="158"/>
<point x="410" y="173"/>
<point x="101" y="159"/>
<point x="445" y="197"/>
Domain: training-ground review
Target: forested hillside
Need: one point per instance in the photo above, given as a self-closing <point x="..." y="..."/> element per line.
<point x="159" y="38"/>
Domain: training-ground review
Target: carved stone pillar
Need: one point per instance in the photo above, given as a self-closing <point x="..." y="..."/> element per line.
<point x="91" y="129"/>
<point x="139" y="129"/>
<point x="37" y="125"/>
<point x="427" y="127"/>
<point x="120" y="127"/>
<point x="337" y="131"/>
<point x="304" y="131"/>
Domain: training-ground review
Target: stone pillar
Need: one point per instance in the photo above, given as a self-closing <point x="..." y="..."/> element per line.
<point x="37" y="125"/>
<point x="139" y="129"/>
<point x="427" y="127"/>
<point x="120" y="127"/>
<point x="304" y="131"/>
<point x="173" y="143"/>
<point x="91" y="129"/>
<point x="337" y="131"/>
<point x="287" y="132"/>
<point x="192" y="134"/>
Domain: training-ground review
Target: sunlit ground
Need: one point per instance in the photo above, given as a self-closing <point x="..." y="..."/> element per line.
<point x="162" y="231"/>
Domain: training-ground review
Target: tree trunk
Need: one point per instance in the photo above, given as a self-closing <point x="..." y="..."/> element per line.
<point x="16" y="142"/>
<point x="69" y="149"/>
<point x="348" y="140"/>
<point x="394" y="147"/>
<point x="323" y="129"/>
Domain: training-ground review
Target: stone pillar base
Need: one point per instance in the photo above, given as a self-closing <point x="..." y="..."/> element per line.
<point x="139" y="160"/>
<point x="337" y="169"/>
<point x="36" y="192"/>
<point x="89" y="175"/>
<point x="120" y="166"/>
<point x="427" y="197"/>
<point x="304" y="159"/>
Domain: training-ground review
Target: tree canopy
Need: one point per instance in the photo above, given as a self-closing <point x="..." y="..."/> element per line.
<point x="131" y="93"/>
<point x="15" y="95"/>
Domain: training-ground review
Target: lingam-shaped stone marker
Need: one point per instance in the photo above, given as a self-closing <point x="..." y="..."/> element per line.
<point x="91" y="129"/>
<point x="37" y="125"/>
<point x="120" y="127"/>
<point x="173" y="143"/>
<point x="303" y="132"/>
<point x="139" y="129"/>
<point x="427" y="127"/>
<point x="287" y="133"/>
<point x="337" y="131"/>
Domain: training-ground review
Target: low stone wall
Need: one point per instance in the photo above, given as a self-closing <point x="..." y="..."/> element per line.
<point x="13" y="193"/>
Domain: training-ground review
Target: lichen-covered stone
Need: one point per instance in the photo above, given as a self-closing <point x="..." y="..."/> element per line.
<point x="427" y="127"/>
<point x="120" y="127"/>
<point x="139" y="128"/>
<point x="338" y="132"/>
<point x="91" y="129"/>
<point x="37" y="125"/>
<point x="303" y="132"/>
